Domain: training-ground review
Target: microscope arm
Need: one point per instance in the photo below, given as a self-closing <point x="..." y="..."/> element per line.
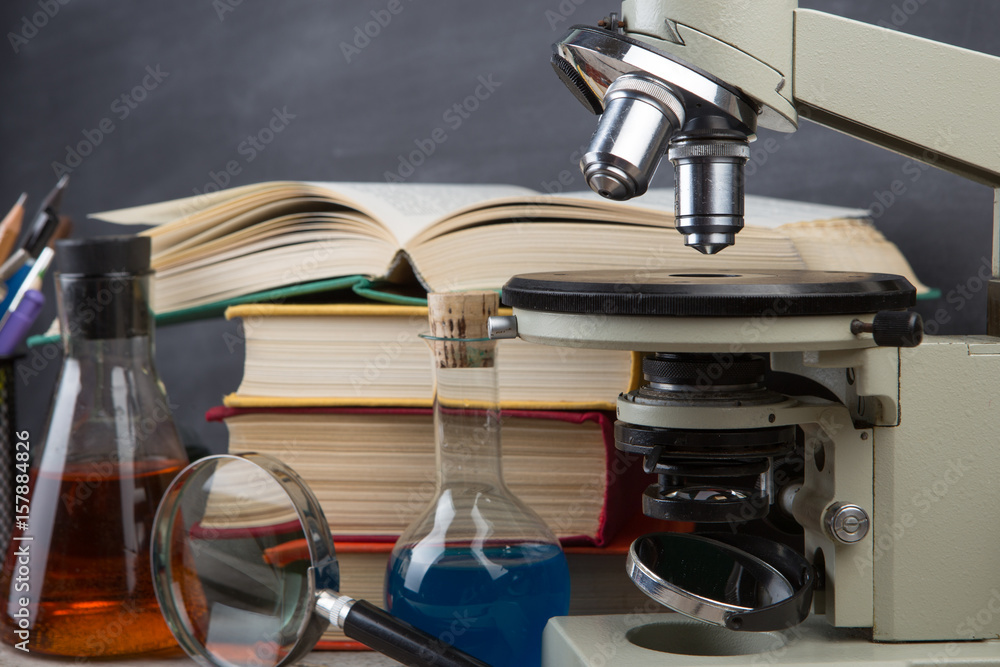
<point x="933" y="102"/>
<point x="930" y="101"/>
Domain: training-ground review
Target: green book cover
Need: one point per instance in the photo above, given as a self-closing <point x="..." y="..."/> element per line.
<point x="217" y="308"/>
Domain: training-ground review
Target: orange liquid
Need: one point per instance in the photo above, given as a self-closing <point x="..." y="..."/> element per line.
<point x="88" y="582"/>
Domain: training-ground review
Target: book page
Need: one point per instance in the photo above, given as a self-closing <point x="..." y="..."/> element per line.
<point x="660" y="200"/>
<point x="408" y="208"/>
<point x="541" y="208"/>
<point x="283" y="230"/>
<point x="485" y="257"/>
<point x="760" y="211"/>
<point x="168" y="211"/>
<point x="849" y="245"/>
<point x="403" y="207"/>
<point x="654" y="208"/>
<point x="200" y="216"/>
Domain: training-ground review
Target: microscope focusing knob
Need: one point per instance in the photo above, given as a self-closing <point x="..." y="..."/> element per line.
<point x="892" y="328"/>
<point x="846" y="524"/>
<point x="897" y="329"/>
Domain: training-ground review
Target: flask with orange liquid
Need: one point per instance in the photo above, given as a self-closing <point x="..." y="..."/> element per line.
<point x="76" y="578"/>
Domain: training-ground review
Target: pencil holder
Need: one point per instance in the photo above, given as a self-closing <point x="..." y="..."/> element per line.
<point x="8" y="415"/>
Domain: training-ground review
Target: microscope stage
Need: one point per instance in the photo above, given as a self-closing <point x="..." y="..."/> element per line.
<point x="691" y="311"/>
<point x="680" y="293"/>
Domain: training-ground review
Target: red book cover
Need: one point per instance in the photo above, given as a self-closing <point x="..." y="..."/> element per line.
<point x="625" y="479"/>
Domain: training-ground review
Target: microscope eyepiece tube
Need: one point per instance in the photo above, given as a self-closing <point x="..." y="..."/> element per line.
<point x="709" y="189"/>
<point x="640" y="115"/>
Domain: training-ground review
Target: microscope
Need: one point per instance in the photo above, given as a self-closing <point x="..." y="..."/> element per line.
<point x="883" y="450"/>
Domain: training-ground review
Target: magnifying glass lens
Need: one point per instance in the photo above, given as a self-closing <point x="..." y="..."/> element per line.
<point x="246" y="573"/>
<point x="236" y="589"/>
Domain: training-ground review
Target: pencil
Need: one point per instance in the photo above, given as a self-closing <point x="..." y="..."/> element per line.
<point x="63" y="231"/>
<point x="10" y="228"/>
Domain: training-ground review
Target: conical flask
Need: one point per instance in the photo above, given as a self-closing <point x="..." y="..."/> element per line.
<point x="76" y="579"/>
<point x="478" y="568"/>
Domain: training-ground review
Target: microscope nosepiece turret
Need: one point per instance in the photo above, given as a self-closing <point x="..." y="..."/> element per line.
<point x="651" y="104"/>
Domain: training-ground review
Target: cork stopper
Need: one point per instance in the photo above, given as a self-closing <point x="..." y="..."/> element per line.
<point x="461" y="315"/>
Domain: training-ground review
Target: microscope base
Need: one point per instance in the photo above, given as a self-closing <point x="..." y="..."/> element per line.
<point x="671" y="639"/>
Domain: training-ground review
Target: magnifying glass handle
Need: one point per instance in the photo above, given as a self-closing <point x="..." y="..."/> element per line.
<point x="401" y="641"/>
<point x="377" y="629"/>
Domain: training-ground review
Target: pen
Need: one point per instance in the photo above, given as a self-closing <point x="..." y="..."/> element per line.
<point x="9" y="288"/>
<point x="41" y="231"/>
<point x="35" y="272"/>
<point x="63" y="230"/>
<point x="10" y="228"/>
<point x="20" y="322"/>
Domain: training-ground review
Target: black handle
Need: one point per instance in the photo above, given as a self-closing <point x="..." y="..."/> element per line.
<point x="401" y="641"/>
<point x="897" y="329"/>
<point x="892" y="328"/>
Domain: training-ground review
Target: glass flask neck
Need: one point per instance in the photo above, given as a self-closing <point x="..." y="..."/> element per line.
<point x="466" y="413"/>
<point x="105" y="316"/>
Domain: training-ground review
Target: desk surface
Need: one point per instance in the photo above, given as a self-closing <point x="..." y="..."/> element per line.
<point x="11" y="657"/>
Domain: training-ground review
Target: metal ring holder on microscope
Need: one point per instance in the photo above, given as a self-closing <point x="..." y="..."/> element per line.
<point x="704" y="421"/>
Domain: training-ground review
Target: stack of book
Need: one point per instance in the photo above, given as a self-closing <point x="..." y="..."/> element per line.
<point x="343" y="392"/>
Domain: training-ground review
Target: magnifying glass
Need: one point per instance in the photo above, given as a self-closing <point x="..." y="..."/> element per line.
<point x="246" y="574"/>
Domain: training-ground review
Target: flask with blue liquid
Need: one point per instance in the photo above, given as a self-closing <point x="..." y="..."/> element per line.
<point x="478" y="568"/>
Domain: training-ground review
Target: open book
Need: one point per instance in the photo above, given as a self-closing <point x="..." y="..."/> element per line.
<point x="215" y="247"/>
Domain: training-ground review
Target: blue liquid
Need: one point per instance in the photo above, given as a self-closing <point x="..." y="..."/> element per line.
<point x="492" y="602"/>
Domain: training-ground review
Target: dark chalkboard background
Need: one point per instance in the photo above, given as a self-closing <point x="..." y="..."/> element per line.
<point x="226" y="65"/>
